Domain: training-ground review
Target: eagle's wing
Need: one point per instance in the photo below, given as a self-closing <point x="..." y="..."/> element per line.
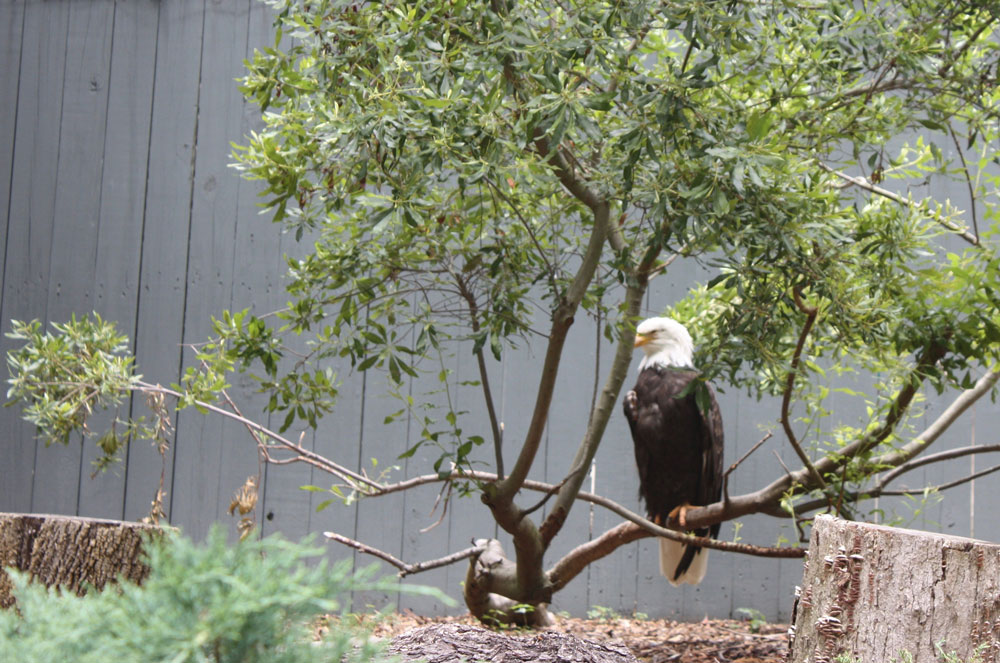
<point x="710" y="489"/>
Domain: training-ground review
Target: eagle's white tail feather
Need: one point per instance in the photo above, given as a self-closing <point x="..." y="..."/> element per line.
<point x="670" y="555"/>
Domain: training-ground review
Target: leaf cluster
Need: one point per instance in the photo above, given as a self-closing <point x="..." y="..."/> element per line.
<point x="65" y="375"/>
<point x="256" y="600"/>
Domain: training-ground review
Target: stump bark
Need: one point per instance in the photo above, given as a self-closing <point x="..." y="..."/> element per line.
<point x="70" y="553"/>
<point x="451" y="643"/>
<point x="876" y="593"/>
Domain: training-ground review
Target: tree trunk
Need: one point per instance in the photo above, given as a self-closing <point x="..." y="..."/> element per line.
<point x="877" y="593"/>
<point x="489" y="582"/>
<point x="68" y="552"/>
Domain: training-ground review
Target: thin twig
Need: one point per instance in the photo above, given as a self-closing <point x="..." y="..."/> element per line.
<point x="896" y="198"/>
<point x="934" y="458"/>
<point x="308" y="456"/>
<point x="968" y="183"/>
<point x="446" y="491"/>
<point x="484" y="377"/>
<point x="785" y="467"/>
<point x="549" y="267"/>
<point x="725" y="477"/>
<point x="943" y="486"/>
<point x="811" y="313"/>
<point x="877" y="492"/>
<point x="404" y="568"/>
<point x="973" y="39"/>
<point x="548" y="494"/>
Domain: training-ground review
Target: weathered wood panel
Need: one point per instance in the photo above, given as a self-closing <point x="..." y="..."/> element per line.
<point x="159" y="323"/>
<point x="15" y="488"/>
<point x="115" y="123"/>
<point x="30" y="227"/>
<point x="209" y="465"/>
<point x="122" y="198"/>
<point x="11" y="38"/>
<point x="71" y="281"/>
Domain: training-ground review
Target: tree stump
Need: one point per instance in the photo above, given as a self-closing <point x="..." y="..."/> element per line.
<point x="877" y="593"/>
<point x="70" y="553"/>
<point x="451" y="643"/>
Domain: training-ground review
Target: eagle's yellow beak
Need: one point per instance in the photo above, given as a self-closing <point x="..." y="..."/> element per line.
<point x="642" y="339"/>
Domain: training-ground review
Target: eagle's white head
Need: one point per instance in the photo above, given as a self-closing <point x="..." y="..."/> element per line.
<point x="665" y="342"/>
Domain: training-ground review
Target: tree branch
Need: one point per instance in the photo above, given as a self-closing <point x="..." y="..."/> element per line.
<point x="969" y="42"/>
<point x="961" y="403"/>
<point x="577" y="559"/>
<point x="896" y="198"/>
<point x="561" y="321"/>
<point x="811" y="313"/>
<point x="940" y="487"/>
<point x="968" y="182"/>
<point x="920" y="461"/>
<point x="314" y="459"/>
<point x="563" y="315"/>
<point x="880" y="490"/>
<point x="610" y="505"/>
<point x="725" y="477"/>
<point x="404" y="568"/>
<point x="484" y="377"/>
<point x="768" y="499"/>
<point x="603" y="408"/>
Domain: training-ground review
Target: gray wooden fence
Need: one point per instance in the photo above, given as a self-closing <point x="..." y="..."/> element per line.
<point x="116" y="197"/>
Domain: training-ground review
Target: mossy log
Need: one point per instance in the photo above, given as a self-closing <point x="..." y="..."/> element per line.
<point x="875" y="593"/>
<point x="69" y="553"/>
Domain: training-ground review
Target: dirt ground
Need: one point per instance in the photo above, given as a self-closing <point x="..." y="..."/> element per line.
<point x="654" y="640"/>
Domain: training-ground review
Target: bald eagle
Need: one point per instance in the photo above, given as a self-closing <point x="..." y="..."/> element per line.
<point x="678" y="447"/>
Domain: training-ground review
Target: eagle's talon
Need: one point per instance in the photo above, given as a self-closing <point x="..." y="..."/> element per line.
<point x="631" y="400"/>
<point x="679" y="514"/>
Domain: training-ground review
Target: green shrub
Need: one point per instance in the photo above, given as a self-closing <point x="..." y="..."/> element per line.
<point x="251" y="602"/>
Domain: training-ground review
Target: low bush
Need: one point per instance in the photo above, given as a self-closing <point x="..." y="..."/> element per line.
<point x="250" y="602"/>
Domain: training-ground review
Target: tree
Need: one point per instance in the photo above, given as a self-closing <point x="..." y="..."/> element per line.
<point x="463" y="169"/>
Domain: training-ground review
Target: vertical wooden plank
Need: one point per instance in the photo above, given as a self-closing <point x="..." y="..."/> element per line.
<point x="339" y="438"/>
<point x="30" y="229"/>
<point x="380" y="522"/>
<point x="567" y="424"/>
<point x="418" y="508"/>
<point x="122" y="195"/>
<point x="469" y="518"/>
<point x="11" y="35"/>
<point x="160" y="318"/>
<point x="984" y="418"/>
<point x="284" y="507"/>
<point x="74" y="241"/>
<point x="614" y="581"/>
<point x="15" y="486"/>
<point x="214" y="456"/>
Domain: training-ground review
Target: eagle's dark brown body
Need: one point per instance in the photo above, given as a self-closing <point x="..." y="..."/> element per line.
<point x="678" y="449"/>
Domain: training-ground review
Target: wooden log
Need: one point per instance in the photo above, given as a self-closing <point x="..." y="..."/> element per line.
<point x="68" y="552"/>
<point x="875" y="593"/>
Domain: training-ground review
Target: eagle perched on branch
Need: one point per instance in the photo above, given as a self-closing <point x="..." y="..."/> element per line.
<point x="677" y="431"/>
